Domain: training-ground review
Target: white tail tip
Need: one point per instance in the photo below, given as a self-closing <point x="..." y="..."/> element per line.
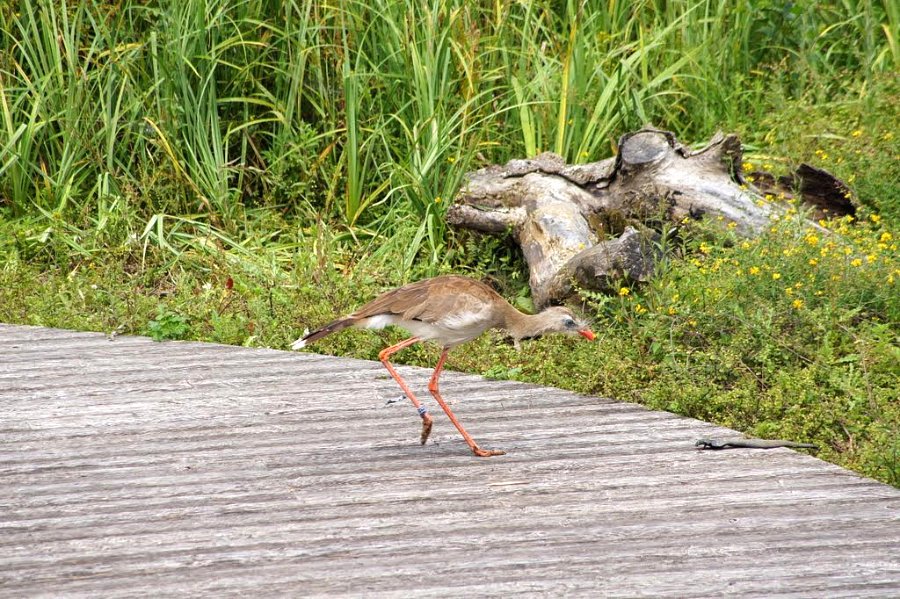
<point x="300" y="343"/>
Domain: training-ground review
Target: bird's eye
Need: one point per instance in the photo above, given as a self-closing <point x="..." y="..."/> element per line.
<point x="569" y="323"/>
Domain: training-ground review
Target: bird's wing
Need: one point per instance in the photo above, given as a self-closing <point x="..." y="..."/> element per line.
<point x="396" y="301"/>
<point x="449" y="300"/>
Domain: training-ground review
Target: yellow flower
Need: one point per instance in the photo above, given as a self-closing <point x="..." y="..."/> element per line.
<point x="874" y="218"/>
<point x="624" y="291"/>
<point x="672" y="311"/>
<point x="885" y="237"/>
<point x="704" y="248"/>
<point x="871" y="258"/>
<point x="745" y="245"/>
<point x="437" y="200"/>
<point x="747" y="166"/>
<point x="776" y="276"/>
<point x="692" y="322"/>
<point x="754" y="270"/>
<point x="788" y="291"/>
<point x="812" y="239"/>
<point x="732" y="225"/>
<point x="813" y="262"/>
<point x="797" y="303"/>
<point x="856" y="262"/>
<point x="856" y="133"/>
<point x="451" y="159"/>
<point x="640" y="309"/>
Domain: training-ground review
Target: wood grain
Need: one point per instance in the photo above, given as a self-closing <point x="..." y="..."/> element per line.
<point x="136" y="468"/>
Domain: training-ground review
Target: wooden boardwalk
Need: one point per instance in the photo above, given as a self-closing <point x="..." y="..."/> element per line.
<point x="135" y="468"/>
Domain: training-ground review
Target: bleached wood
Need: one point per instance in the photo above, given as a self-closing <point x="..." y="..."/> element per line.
<point x="562" y="216"/>
<point x="135" y="468"/>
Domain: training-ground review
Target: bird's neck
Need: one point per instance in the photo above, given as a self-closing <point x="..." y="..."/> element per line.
<point x="520" y="325"/>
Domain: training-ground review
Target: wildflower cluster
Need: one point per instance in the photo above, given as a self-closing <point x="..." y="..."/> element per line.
<point x="795" y="268"/>
<point x="802" y="264"/>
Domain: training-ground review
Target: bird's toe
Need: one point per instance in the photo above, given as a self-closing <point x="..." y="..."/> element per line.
<point x="486" y="453"/>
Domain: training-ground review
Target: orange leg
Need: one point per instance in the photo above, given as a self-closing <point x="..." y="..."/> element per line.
<point x="433" y="387"/>
<point x="427" y="421"/>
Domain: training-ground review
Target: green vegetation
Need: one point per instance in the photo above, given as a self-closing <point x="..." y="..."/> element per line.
<point x="153" y="153"/>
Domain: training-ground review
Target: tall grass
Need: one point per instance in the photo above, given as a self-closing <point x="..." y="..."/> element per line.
<point x="369" y="113"/>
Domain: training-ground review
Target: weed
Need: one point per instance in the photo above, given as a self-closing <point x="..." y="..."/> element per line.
<point x="167" y="325"/>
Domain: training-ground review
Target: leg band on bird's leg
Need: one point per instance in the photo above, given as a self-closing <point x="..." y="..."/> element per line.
<point x="427" y="421"/>
<point x="433" y="388"/>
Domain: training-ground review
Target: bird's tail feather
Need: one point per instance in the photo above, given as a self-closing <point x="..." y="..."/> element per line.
<point x="328" y="329"/>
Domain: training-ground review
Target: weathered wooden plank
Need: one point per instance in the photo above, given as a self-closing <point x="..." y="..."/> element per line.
<point x="710" y="569"/>
<point x="137" y="468"/>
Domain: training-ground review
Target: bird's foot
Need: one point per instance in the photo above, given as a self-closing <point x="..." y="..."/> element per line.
<point x="486" y="453"/>
<point x="427" y="422"/>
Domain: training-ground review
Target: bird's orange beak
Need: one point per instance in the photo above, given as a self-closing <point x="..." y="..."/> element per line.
<point x="587" y="334"/>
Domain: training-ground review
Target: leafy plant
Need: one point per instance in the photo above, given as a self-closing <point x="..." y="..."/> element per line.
<point x="167" y="325"/>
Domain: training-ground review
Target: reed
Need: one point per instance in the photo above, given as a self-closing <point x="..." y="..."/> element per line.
<point x="186" y="109"/>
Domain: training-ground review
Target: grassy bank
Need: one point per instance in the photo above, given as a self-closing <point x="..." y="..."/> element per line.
<point x="237" y="171"/>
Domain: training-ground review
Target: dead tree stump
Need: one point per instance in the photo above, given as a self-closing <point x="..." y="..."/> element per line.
<point x="598" y="223"/>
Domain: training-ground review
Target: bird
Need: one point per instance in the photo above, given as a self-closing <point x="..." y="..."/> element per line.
<point x="448" y="310"/>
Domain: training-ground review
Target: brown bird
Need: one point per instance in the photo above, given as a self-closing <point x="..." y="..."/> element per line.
<point x="447" y="310"/>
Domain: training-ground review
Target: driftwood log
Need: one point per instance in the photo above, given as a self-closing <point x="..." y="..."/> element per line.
<point x="594" y="224"/>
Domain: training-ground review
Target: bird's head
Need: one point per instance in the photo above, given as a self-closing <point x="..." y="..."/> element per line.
<point x="564" y="321"/>
<point x="556" y="319"/>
